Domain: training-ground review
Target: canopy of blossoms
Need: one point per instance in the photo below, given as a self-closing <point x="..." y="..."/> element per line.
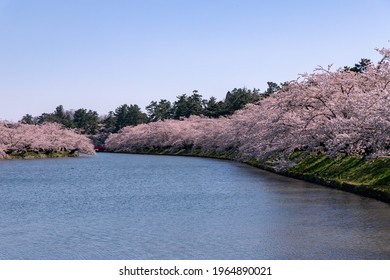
<point x="333" y="112"/>
<point x="48" y="137"/>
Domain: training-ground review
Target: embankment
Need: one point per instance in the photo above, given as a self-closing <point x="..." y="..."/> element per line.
<point x="39" y="155"/>
<point x="366" y="177"/>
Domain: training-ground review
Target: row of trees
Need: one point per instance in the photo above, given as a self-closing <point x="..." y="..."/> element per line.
<point x="45" y="138"/>
<point x="346" y="111"/>
<point x="193" y="105"/>
<point x="318" y="112"/>
<point x="89" y="122"/>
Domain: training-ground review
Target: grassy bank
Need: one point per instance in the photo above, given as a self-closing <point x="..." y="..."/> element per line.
<point x="366" y="177"/>
<point x="38" y="155"/>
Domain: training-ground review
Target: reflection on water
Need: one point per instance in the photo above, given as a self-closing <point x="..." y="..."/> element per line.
<point x="118" y="206"/>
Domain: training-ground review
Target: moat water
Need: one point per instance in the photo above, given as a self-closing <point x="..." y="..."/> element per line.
<point x="122" y="206"/>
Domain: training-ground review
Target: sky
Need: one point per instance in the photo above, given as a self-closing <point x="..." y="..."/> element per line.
<point x="98" y="55"/>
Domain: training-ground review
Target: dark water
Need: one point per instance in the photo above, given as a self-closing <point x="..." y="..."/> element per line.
<point x="117" y="206"/>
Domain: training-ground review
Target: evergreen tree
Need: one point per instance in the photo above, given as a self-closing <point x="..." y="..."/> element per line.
<point x="126" y="115"/>
<point x="159" y="111"/>
<point x="212" y="107"/>
<point x="27" y="119"/>
<point x="238" y="98"/>
<point x="88" y="121"/>
<point x="187" y="106"/>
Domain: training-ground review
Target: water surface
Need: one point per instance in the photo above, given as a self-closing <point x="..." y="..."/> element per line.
<point x="120" y="206"/>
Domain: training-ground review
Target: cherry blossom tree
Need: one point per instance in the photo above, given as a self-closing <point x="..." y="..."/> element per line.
<point x="196" y="132"/>
<point x="48" y="137"/>
<point x="333" y="112"/>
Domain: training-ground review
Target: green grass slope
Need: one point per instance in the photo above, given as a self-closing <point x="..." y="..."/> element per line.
<point x="355" y="174"/>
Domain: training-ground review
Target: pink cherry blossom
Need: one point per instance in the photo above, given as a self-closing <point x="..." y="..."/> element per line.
<point x="327" y="111"/>
<point x="47" y="137"/>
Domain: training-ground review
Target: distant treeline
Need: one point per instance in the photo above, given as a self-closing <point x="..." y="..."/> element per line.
<point x="91" y="123"/>
<point x="337" y="113"/>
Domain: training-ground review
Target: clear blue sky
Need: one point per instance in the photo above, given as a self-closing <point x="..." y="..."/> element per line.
<point x="97" y="54"/>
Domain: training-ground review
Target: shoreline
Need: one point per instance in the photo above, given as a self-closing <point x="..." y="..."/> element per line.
<point x="378" y="192"/>
<point x="40" y="155"/>
<point x="369" y="191"/>
<point x="308" y="173"/>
